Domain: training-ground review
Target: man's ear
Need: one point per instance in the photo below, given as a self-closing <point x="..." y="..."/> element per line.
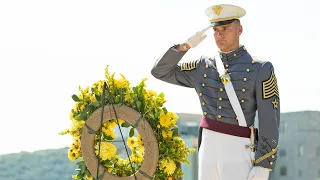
<point x="240" y="30"/>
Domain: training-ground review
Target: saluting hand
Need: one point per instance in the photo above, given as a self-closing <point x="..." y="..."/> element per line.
<point x="197" y="38"/>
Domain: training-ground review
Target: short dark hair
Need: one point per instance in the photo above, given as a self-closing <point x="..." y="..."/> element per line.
<point x="237" y="20"/>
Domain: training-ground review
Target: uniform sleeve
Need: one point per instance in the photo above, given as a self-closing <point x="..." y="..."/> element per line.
<point x="268" y="106"/>
<point x="168" y="69"/>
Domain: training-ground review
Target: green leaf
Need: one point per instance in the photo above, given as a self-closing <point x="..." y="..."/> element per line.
<point x="98" y="98"/>
<point x="175" y="132"/>
<point x="88" y="108"/>
<point x="117" y="100"/>
<point x="95" y="104"/>
<point x="135" y="90"/>
<point x="151" y="115"/>
<point x="141" y="84"/>
<point x="161" y="95"/>
<point x="81" y="116"/>
<point x="139" y="104"/>
<point x="125" y="124"/>
<point x="87" y="172"/>
<point x="131" y="133"/>
<point x="165" y="110"/>
<point x="80" y="163"/>
<point x="75" y="98"/>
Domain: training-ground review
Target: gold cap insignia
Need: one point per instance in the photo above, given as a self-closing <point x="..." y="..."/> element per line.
<point x="217" y="9"/>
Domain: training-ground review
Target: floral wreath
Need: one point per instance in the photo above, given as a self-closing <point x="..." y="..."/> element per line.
<point x="150" y="104"/>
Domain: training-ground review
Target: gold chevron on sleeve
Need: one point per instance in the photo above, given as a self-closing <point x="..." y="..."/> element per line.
<point x="270" y="87"/>
<point x="187" y="66"/>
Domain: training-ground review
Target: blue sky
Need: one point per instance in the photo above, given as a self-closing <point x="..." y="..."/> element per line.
<point x="48" y="48"/>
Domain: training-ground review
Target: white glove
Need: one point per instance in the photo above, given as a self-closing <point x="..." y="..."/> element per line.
<point x="197" y="38"/>
<point x="258" y="173"/>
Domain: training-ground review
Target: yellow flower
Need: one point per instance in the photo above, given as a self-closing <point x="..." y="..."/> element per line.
<point x="110" y="124"/>
<point x="107" y="150"/>
<point x="120" y="121"/>
<point x="169" y="133"/>
<point x="132" y="142"/>
<point x="76" y="147"/>
<point x="170" y="167"/>
<point x="164" y="134"/>
<point x="71" y="116"/>
<point x="151" y="93"/>
<point x="138" y="157"/>
<point x="139" y="139"/>
<point x="141" y="148"/>
<point x="85" y="91"/>
<point x="72" y="155"/>
<point x="108" y="131"/>
<point x="88" y="178"/>
<point x="122" y="82"/>
<point x="173" y="116"/>
<point x="165" y="121"/>
<point x="82" y="107"/>
<point x="93" y="98"/>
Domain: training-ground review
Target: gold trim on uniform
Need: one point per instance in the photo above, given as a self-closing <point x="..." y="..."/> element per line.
<point x="224" y="19"/>
<point x="267" y="155"/>
<point x="187" y="66"/>
<point x="270" y="87"/>
<point x="275" y="103"/>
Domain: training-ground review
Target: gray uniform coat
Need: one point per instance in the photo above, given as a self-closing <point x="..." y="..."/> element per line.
<point x="254" y="82"/>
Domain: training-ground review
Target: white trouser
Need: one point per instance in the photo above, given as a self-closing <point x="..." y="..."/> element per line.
<point x="224" y="157"/>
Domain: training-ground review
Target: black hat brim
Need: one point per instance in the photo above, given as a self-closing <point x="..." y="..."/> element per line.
<point x="220" y="23"/>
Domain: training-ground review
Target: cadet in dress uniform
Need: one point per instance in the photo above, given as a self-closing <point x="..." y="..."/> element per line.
<point x="228" y="151"/>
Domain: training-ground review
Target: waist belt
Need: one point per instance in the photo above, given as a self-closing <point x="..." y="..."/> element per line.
<point x="225" y="128"/>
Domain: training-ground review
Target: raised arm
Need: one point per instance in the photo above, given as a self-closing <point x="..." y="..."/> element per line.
<point x="168" y="68"/>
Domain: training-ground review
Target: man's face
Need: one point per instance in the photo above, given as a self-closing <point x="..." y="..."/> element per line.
<point x="227" y="36"/>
